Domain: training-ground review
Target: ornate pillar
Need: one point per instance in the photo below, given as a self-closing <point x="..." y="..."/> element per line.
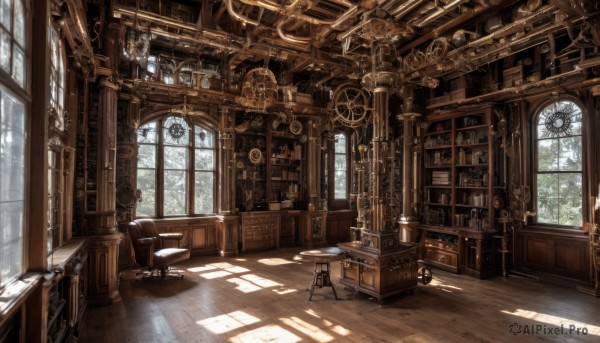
<point x="102" y="223"/>
<point x="314" y="163"/>
<point x="381" y="96"/>
<point x="408" y="223"/>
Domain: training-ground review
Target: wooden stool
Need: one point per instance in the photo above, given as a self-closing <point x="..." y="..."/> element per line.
<point x="321" y="258"/>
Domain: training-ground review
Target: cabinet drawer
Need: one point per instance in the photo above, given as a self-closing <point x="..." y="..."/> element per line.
<point x="443" y="257"/>
<point x="432" y="243"/>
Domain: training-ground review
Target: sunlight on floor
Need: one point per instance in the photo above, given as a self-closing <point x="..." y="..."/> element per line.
<point x="268" y="333"/>
<point x="244" y="285"/>
<point x="310" y="330"/>
<point x="200" y="269"/>
<point x="444" y="286"/>
<point x="275" y="261"/>
<point x="282" y="291"/>
<point x="260" y="281"/>
<point x="227" y="322"/>
<point x="216" y="274"/>
<point x="554" y="320"/>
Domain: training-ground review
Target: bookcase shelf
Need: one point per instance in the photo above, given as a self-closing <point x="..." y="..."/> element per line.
<point x="459" y="173"/>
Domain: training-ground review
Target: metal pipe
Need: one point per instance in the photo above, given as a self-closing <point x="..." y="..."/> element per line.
<point x="405" y="8"/>
<point x="288" y="37"/>
<point x="289" y="11"/>
<point x="439" y="12"/>
<point x="238" y="16"/>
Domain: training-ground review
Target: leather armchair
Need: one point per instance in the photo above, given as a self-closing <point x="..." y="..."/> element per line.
<point x="150" y="248"/>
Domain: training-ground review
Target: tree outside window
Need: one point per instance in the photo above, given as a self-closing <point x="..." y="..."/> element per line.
<point x="187" y="182"/>
<point x="340" y="168"/>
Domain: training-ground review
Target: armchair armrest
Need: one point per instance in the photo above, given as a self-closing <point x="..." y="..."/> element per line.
<point x="147" y="243"/>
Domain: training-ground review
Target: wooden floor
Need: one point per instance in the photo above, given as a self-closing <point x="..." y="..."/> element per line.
<point x="263" y="297"/>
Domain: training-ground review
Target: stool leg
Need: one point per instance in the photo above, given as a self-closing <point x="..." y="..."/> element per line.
<point x="312" y="286"/>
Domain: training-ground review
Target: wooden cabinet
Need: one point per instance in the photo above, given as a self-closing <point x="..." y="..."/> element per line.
<point x="462" y="178"/>
<point x="456" y="250"/>
<point x="380" y="275"/>
<point x="260" y="230"/>
<point x="290" y="228"/>
<point x="67" y="293"/>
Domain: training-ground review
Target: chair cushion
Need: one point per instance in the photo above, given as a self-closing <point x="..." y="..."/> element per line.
<point x="166" y="257"/>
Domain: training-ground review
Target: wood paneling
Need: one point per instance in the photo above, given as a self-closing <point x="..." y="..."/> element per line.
<point x="559" y="253"/>
<point x="535" y="252"/>
<point x="338" y="226"/>
<point x="199" y="234"/>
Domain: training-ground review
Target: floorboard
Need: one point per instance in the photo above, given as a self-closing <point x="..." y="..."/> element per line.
<point x="263" y="297"/>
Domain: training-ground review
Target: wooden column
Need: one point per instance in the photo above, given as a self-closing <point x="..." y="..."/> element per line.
<point x="103" y="272"/>
<point x="226" y="165"/>
<point x="36" y="235"/>
<point x="227" y="234"/>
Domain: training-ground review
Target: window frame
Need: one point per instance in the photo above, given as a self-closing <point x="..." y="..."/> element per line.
<point x="534" y="167"/>
<point x="21" y="92"/>
<point x="333" y="202"/>
<point x="194" y="128"/>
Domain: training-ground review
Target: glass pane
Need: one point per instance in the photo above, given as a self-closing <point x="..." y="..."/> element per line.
<point x="146" y="183"/>
<point x="340" y="185"/>
<point x="205" y="159"/>
<point x="547" y="155"/>
<point x="19" y="28"/>
<point x="570" y="154"/>
<point x="12" y="148"/>
<point x="204" y="138"/>
<point x="5" y="53"/>
<point x="340" y="143"/>
<point x="19" y="66"/>
<point x="5" y="14"/>
<point x="559" y="199"/>
<point x="340" y="162"/>
<point x="175" y="192"/>
<point x="204" y="189"/>
<point x="147" y="133"/>
<point x="12" y="186"/>
<point x="570" y="212"/>
<point x="571" y="196"/>
<point x="146" y="156"/>
<point x="176" y="157"/>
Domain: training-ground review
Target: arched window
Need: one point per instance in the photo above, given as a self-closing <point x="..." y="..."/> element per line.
<point x="175" y="168"/>
<point x="14" y="115"/>
<point x="558" y="165"/>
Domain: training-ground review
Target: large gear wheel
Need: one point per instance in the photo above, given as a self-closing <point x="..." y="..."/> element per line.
<point x="414" y="60"/>
<point x="350" y="104"/>
<point x="436" y="50"/>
